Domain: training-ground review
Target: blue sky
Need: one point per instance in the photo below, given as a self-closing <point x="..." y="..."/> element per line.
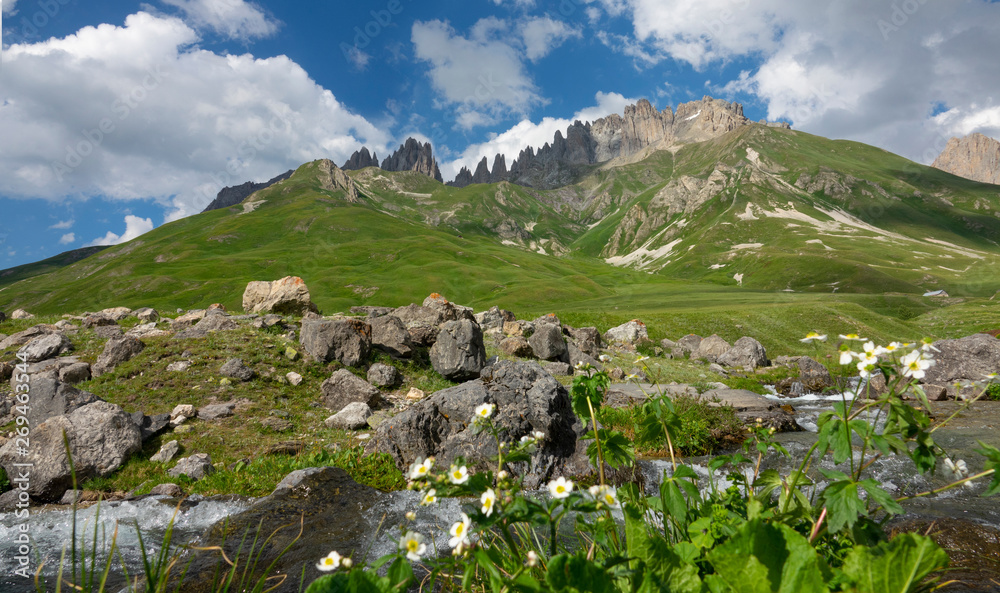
<point x="119" y="116"/>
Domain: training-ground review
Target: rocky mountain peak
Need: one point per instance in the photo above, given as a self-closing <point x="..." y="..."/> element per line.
<point x="412" y="155"/>
<point x="230" y="196"/>
<point x="975" y="157"/>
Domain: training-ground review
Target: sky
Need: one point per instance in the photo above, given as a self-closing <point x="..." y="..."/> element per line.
<point x="118" y="116"/>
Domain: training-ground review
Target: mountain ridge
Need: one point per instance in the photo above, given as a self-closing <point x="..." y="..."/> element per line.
<point x="975" y="157"/>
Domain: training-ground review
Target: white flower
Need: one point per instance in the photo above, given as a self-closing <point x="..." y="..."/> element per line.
<point x="484" y="411"/>
<point x="605" y="494"/>
<point x="852" y="337"/>
<point x="502" y="474"/>
<point x="529" y="443"/>
<point x="539" y="435"/>
<point x="532" y="559"/>
<point x="991" y="377"/>
<point x="458" y="475"/>
<point x="866" y="364"/>
<point x="429" y="498"/>
<point x="632" y="377"/>
<point x="641" y="359"/>
<point x="892" y="347"/>
<point x="915" y="365"/>
<point x="813" y="336"/>
<point x="871" y="349"/>
<point x="460" y="532"/>
<point x="332" y="561"/>
<point x="347" y="563"/>
<point x="414" y="546"/>
<point x="560" y="487"/>
<point x="927" y="345"/>
<point x="604" y="358"/>
<point x="957" y="469"/>
<point x="846" y="357"/>
<point x="411" y="516"/>
<point x="420" y="468"/>
<point x="489" y="500"/>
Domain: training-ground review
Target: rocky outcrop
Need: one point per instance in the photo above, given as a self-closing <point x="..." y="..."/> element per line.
<point x="332" y="178"/>
<point x="361" y="159"/>
<point x="44" y="347"/>
<point x="288" y="296"/>
<point x="343" y="388"/>
<point x="390" y="336"/>
<point x="230" y="196"/>
<point x="967" y="360"/>
<point x="527" y="399"/>
<point x="116" y="351"/>
<point x="414" y="156"/>
<point x="628" y="333"/>
<point x="458" y="353"/>
<point x="745" y="353"/>
<point x="347" y="341"/>
<point x="975" y="157"/>
<point x="548" y="343"/>
<point x="711" y="348"/>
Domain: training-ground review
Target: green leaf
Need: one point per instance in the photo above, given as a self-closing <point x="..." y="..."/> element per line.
<point x="576" y="573"/>
<point x="843" y="505"/>
<point x="400" y="574"/>
<point x="766" y="558"/>
<point x="618" y="450"/>
<point x="898" y="566"/>
<point x="992" y="455"/>
<point x="674" y="503"/>
<point x="880" y="496"/>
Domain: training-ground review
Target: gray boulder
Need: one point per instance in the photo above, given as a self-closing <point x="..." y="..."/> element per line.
<point x="383" y="375"/>
<point x="558" y="369"/>
<point x="96" y="320"/>
<point x="216" y="411"/>
<point x="967" y="359"/>
<point x="23" y="337"/>
<point x="106" y="332"/>
<point x="288" y="296"/>
<point x="711" y="348"/>
<point x="236" y="369"/>
<point x="51" y="397"/>
<point x="352" y="417"/>
<point x="195" y="467"/>
<point x="494" y="318"/>
<point x="45" y="347"/>
<point x="101" y="438"/>
<point x="814" y="376"/>
<point x="548" y="343"/>
<point x="343" y="388"/>
<point x="689" y="343"/>
<point x="166" y="452"/>
<point x="422" y="323"/>
<point x="116" y="351"/>
<point x="214" y="321"/>
<point x="147" y="314"/>
<point x="449" y="311"/>
<point x="745" y="353"/>
<point x="347" y="341"/>
<point x="527" y="399"/>
<point x="459" y="353"/>
<point x="21" y="314"/>
<point x="516" y="346"/>
<point x="628" y="333"/>
<point x="171" y="490"/>
<point x="75" y="373"/>
<point x="579" y="357"/>
<point x="390" y="336"/>
<point x="588" y="340"/>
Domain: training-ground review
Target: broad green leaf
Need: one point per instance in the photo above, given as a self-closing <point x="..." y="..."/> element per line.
<point x="898" y="566"/>
<point x="843" y="505"/>
<point x="992" y="455"/>
<point x="880" y="496"/>
<point x="576" y="573"/>
<point x="768" y="558"/>
<point x="674" y="503"/>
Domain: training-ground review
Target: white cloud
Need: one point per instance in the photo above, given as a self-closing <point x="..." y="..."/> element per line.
<point x="527" y="133"/>
<point x="867" y="71"/>
<point x="67" y="239"/>
<point x="63" y="225"/>
<point x="235" y="19"/>
<point x="520" y="3"/>
<point x="179" y="122"/>
<point x="7" y="6"/>
<point x="482" y="72"/>
<point x="541" y="35"/>
<point x="134" y="227"/>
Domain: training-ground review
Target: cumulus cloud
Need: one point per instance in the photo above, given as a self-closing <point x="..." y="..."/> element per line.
<point x="867" y="71"/>
<point x="67" y="239"/>
<point x="140" y="112"/>
<point x="481" y="72"/>
<point x="7" y="6"/>
<point x="527" y="133"/>
<point x="520" y="3"/>
<point x="134" y="227"/>
<point x="235" y="19"/>
<point x="63" y="225"/>
<point x="542" y="35"/>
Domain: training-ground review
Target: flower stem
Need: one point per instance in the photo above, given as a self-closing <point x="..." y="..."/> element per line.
<point x="988" y="472"/>
<point x="597" y="440"/>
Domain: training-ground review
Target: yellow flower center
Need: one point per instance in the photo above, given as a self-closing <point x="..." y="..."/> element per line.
<point x="412" y="545"/>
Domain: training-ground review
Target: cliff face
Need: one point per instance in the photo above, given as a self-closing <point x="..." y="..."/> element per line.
<point x="414" y="156"/>
<point x="360" y="160"/>
<point x="230" y="196"/>
<point x="611" y="137"/>
<point x="975" y="157"/>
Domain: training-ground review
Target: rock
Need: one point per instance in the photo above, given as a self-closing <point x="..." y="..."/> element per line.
<point x="151" y="426"/>
<point x="518" y="328"/>
<point x="627" y="333"/>
<point x="548" y="343"/>
<point x="66" y="326"/>
<point x="98" y="320"/>
<point x="268" y="321"/>
<point x="975" y="157"/>
<point x="390" y="336"/>
<point x="718" y="368"/>
<point x="558" y="369"/>
<point x="494" y="318"/>
<point x="383" y="375"/>
<point x="527" y="399"/>
<point x="745" y="353"/>
<point x="6" y="371"/>
<point x="814" y="375"/>
<point x="107" y="332"/>
<point x="195" y="467"/>
<point x="343" y="388"/>
<point x="516" y="346"/>
<point x="171" y="490"/>
<point x="9" y="501"/>
<point x="668" y="345"/>
<point x="750" y="407"/>
<point x="449" y="311"/>
<point x="689" y="343"/>
<point x="294" y="379"/>
<point x="973" y="549"/>
<point x="44" y="347"/>
<point x="578" y="357"/>
<point x="458" y="353"/>
<point x="146" y="330"/>
<point x="236" y="369"/>
<point x="414" y="394"/>
<point x="188" y="319"/>
<point x="182" y="412"/>
<point x="588" y="340"/>
<point x="101" y="436"/>
<point x="935" y="393"/>
<point x="166" y="452"/>
<point x="348" y="342"/>
<point x="50" y="397"/>
<point x="116" y="351"/>
<point x="549" y="318"/>
<point x="147" y="314"/>
<point x="75" y="373"/>
<point x="216" y="411"/>
<point x="352" y="417"/>
<point x="117" y="313"/>
<point x="23" y="337"/>
<point x="213" y="321"/>
<point x="21" y="314"/>
<point x="966" y="359"/>
<point x="371" y="311"/>
<point x="422" y="323"/>
<point x="179" y="367"/>
<point x="71" y="497"/>
<point x="711" y="348"/>
<point x="288" y="296"/>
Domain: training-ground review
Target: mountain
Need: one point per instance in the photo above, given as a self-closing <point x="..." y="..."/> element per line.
<point x="15" y="274"/>
<point x="975" y="157"/>
<point x="230" y="196"/>
<point x="411" y="156"/>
